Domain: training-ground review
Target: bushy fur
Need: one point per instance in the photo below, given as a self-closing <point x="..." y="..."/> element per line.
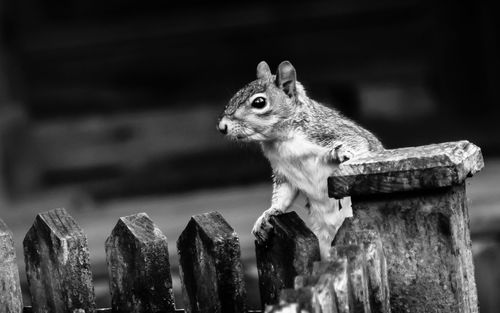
<point x="303" y="140"/>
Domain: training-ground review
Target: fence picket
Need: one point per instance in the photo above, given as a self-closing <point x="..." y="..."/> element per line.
<point x="138" y="267"/>
<point x="57" y="265"/>
<point x="376" y="267"/>
<point x="359" y="300"/>
<point x="340" y="281"/>
<point x="290" y="250"/>
<point x="210" y="266"/>
<point x="11" y="300"/>
<point x="409" y="216"/>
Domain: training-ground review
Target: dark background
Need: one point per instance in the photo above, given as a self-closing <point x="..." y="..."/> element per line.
<point x="109" y="104"/>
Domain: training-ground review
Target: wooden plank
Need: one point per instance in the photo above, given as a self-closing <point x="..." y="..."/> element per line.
<point x="11" y="300"/>
<point x="290" y="250"/>
<point x="405" y="169"/>
<point x="57" y="265"/>
<point x="210" y="266"/>
<point x="139" y="267"/>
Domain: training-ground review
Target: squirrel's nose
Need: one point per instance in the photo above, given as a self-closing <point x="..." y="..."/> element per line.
<point x="222" y="127"/>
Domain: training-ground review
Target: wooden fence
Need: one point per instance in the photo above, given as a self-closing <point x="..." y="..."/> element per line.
<point x="407" y="249"/>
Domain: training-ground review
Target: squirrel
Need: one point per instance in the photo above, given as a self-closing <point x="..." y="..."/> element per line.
<point x="303" y="140"/>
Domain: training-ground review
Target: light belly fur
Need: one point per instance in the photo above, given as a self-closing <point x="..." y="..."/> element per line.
<point x="306" y="166"/>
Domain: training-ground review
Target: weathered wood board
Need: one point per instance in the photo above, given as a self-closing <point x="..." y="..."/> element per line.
<point x="405" y="169"/>
<point x="290" y="250"/>
<point x="210" y="266"/>
<point x="139" y="267"/>
<point x="425" y="236"/>
<point x="57" y="265"/>
<point x="11" y="300"/>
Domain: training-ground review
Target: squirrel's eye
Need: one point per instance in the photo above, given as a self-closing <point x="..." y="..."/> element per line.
<point x="259" y="102"/>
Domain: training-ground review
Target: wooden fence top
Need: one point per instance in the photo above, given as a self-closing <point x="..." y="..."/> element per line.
<point x="412" y="168"/>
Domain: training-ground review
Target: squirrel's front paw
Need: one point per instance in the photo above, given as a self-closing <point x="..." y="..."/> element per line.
<point x="341" y="153"/>
<point x="262" y="226"/>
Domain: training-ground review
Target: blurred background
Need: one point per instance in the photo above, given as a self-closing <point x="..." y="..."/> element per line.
<point x="108" y="108"/>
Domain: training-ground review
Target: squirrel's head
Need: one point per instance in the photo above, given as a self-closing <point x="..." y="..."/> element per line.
<point x="260" y="110"/>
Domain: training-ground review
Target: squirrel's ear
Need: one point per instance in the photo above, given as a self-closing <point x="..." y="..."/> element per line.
<point x="286" y="78"/>
<point x="263" y="71"/>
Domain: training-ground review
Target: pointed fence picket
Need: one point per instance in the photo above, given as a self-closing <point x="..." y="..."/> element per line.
<point x="60" y="279"/>
<point x="410" y="227"/>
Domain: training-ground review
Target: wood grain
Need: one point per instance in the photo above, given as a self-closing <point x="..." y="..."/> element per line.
<point x="11" y="300"/>
<point x="139" y="267"/>
<point x="57" y="265"/>
<point x="405" y="169"/>
<point x="340" y="284"/>
<point x="376" y="267"/>
<point x="210" y="266"/>
<point x="426" y="240"/>
<point x="357" y="276"/>
<point x="290" y="250"/>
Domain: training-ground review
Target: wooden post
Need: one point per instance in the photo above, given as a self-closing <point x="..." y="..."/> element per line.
<point x="290" y="250"/>
<point x="414" y="198"/>
<point x="11" y="300"/>
<point x="138" y="266"/>
<point x="57" y="265"/>
<point x="210" y="266"/>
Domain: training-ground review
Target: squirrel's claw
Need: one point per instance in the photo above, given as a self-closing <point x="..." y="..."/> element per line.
<point x="341" y="153"/>
<point x="262" y="226"/>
